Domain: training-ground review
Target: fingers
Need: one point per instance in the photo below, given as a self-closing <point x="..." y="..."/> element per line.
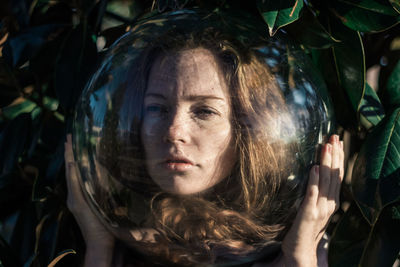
<point x="312" y="188"/>
<point x="331" y="173"/>
<point x="325" y="173"/>
<point x="335" y="168"/>
<point x="341" y="171"/>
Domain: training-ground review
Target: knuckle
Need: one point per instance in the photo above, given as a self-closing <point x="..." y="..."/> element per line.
<point x="332" y="207"/>
<point x="314" y="215"/>
<point x="323" y="213"/>
<point x="313" y="192"/>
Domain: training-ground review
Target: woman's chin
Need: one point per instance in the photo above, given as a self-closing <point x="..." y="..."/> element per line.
<point x="180" y="186"/>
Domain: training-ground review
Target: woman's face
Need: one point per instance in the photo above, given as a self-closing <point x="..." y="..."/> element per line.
<point x="187" y="130"/>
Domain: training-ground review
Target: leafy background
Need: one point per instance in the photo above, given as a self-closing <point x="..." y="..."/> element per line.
<point x="49" y="48"/>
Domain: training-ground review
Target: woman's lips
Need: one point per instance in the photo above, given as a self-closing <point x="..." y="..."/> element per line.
<point x="177" y="164"/>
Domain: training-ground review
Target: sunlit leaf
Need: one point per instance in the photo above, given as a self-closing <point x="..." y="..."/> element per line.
<point x="24" y="106"/>
<point x="376" y="174"/>
<point x="371" y="109"/>
<point x="392" y="93"/>
<point x="279" y="13"/>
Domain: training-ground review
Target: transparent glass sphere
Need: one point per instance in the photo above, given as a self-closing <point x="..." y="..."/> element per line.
<point x="195" y="137"/>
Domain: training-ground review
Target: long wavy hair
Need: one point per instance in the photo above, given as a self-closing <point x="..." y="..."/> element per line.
<point x="245" y="212"/>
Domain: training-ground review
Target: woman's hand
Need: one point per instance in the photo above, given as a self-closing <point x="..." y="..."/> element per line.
<point x="299" y="246"/>
<point x="99" y="242"/>
<point x="302" y="245"/>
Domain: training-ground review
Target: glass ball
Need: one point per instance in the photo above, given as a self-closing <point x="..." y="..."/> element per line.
<point x="195" y="136"/>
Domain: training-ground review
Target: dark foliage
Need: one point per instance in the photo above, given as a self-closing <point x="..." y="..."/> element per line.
<point x="49" y="49"/>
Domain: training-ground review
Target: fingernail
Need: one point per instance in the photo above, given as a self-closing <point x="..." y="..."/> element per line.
<point x="341" y="144"/>
<point x="328" y="148"/>
<point x="336" y="138"/>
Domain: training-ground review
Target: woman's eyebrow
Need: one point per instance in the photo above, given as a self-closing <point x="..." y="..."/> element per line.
<point x="188" y="97"/>
<point x="203" y="97"/>
<point x="155" y="95"/>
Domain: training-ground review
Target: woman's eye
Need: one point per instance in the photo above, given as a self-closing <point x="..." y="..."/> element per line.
<point x="155" y="109"/>
<point x="205" y="113"/>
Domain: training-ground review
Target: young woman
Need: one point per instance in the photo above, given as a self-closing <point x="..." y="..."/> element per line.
<point x="209" y="114"/>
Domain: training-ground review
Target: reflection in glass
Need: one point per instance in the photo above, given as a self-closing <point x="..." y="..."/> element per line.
<point x="195" y="136"/>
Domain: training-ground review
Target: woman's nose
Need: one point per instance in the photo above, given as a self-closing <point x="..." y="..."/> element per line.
<point x="177" y="129"/>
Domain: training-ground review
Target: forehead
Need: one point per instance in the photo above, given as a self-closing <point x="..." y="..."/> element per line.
<point x="187" y="72"/>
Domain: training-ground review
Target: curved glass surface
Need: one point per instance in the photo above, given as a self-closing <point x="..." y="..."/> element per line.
<point x="195" y="136"/>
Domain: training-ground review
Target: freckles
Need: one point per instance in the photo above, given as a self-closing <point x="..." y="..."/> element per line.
<point x="218" y="143"/>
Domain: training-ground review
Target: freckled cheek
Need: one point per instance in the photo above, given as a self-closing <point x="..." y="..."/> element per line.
<point x="217" y="143"/>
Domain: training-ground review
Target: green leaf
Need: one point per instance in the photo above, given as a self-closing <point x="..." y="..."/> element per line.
<point x="383" y="244"/>
<point x="349" y="61"/>
<point x="11" y="112"/>
<point x="310" y="32"/>
<point x="348" y="239"/>
<point x="366" y="15"/>
<point x="392" y="93"/>
<point x="279" y="13"/>
<point x="50" y="103"/>
<point x="345" y="115"/>
<point x="371" y="109"/>
<point x="395" y="4"/>
<point x="379" y="7"/>
<point x="376" y="173"/>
